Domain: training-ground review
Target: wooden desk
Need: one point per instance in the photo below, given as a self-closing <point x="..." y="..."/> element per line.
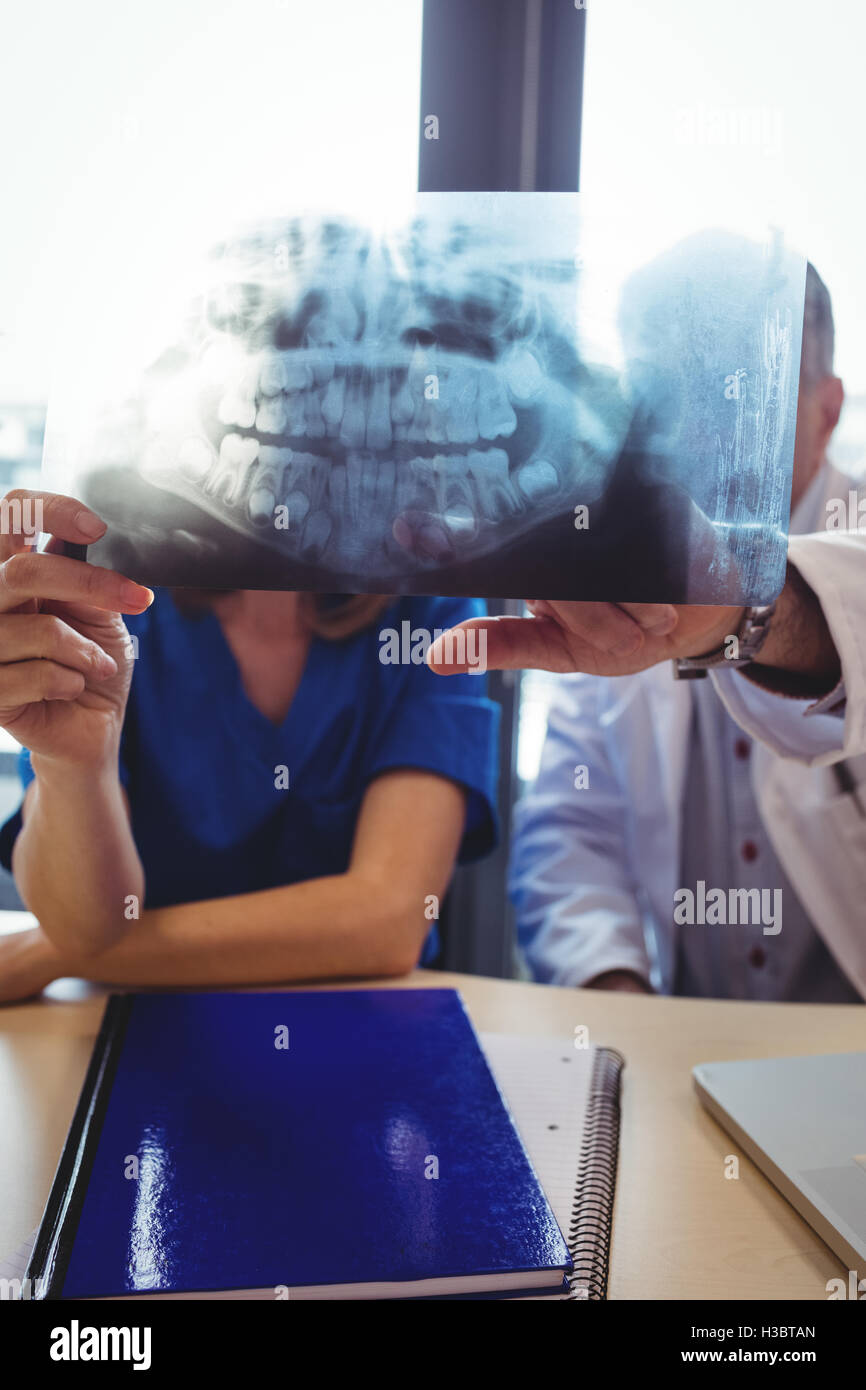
<point x="681" y="1228"/>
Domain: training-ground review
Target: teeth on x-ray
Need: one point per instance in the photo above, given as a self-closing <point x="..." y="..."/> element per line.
<point x="407" y="402"/>
<point x="426" y="409"/>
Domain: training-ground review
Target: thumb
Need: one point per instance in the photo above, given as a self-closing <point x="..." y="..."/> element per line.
<point x="498" y="644"/>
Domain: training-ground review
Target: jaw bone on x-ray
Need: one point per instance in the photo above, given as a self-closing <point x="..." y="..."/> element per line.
<point x="433" y="408"/>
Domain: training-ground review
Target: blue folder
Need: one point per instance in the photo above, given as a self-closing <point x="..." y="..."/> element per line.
<point x="320" y="1144"/>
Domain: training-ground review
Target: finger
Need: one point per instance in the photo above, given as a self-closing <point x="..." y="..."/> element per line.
<point x="499" y="644"/>
<point x="53" y="547"/>
<point x="656" y="619"/>
<point x="104" y="619"/>
<point x="27" y="576"/>
<point x="604" y="627"/>
<point x="47" y="637"/>
<point x="24" y="513"/>
<point x="30" y="682"/>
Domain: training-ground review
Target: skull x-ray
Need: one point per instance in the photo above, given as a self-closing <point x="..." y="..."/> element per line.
<point x="463" y="401"/>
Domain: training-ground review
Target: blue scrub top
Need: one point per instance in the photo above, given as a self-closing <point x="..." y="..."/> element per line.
<point x="203" y="767"/>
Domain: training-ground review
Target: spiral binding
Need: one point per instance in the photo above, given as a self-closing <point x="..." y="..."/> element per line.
<point x="592" y="1213"/>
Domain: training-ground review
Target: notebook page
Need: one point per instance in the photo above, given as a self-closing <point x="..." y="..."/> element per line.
<point x="13" y="1267"/>
<point x="545" y="1083"/>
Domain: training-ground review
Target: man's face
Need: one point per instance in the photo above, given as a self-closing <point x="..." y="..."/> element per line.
<point x="818" y="410"/>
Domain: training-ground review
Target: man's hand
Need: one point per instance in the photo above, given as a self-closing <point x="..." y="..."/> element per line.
<point x="798" y="656"/>
<point x="622" y="981"/>
<point x="605" y="639"/>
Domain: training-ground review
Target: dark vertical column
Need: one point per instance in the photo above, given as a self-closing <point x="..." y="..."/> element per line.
<point x="504" y="78"/>
<point x="504" y="81"/>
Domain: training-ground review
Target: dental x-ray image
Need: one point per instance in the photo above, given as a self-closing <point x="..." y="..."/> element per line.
<point x="463" y="402"/>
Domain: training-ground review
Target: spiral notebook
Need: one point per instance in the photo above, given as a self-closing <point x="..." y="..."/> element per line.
<point x="334" y="1144"/>
<point x="566" y="1105"/>
<point x="378" y="1070"/>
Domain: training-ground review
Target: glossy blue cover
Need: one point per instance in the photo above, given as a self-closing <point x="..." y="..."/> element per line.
<point x="261" y="1165"/>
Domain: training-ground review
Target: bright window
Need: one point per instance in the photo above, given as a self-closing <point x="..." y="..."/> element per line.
<point x="162" y="117"/>
<point x="752" y="110"/>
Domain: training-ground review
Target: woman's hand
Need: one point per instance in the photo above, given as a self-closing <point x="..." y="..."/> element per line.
<point x="28" y="962"/>
<point x="65" y="667"/>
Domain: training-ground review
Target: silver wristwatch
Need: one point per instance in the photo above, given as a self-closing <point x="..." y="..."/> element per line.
<point x="751" y="635"/>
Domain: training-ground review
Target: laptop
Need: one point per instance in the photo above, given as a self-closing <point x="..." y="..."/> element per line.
<point x="802" y="1120"/>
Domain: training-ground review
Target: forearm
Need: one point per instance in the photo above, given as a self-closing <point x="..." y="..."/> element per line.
<point x="75" y="861"/>
<point x="346" y="925"/>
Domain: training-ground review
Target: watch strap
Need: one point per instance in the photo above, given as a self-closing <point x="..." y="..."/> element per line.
<point x="750" y="638"/>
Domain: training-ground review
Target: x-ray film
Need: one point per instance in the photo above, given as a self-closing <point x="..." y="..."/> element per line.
<point x="476" y="398"/>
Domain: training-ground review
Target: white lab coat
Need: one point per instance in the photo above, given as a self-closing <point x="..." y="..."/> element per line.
<point x="594" y="871"/>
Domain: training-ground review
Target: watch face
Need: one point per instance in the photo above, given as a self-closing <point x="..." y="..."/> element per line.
<point x="480" y="396"/>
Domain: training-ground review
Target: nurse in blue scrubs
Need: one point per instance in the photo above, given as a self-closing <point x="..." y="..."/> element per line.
<point x="229" y="788"/>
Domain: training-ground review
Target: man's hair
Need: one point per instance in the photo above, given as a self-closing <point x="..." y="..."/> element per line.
<point x="816" y="360"/>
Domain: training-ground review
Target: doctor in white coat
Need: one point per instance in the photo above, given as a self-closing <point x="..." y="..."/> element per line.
<point x="663" y="804"/>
